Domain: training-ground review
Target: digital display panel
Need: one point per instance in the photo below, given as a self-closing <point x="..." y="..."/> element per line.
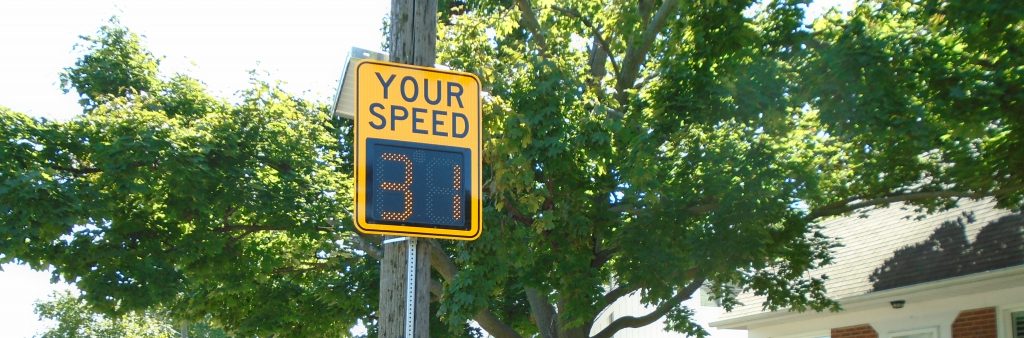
<point x="417" y="184"/>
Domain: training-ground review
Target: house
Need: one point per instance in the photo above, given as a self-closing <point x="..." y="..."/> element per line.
<point x="952" y="274"/>
<point x="704" y="311"/>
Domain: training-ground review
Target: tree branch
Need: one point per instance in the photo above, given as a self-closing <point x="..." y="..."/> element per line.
<point x="707" y="205"/>
<point x="543" y="313"/>
<point x="660" y="311"/>
<point x="81" y="171"/>
<point x="853" y="204"/>
<point x="595" y="32"/>
<point x="701" y="209"/>
<point x="321" y="266"/>
<point x="487" y="320"/>
<point x="529" y="20"/>
<point x="603" y="256"/>
<point x="249" y="228"/>
<point x="616" y="293"/>
<point x="360" y="243"/>
<point x="636" y="55"/>
<point x="518" y="215"/>
<point x="76" y="171"/>
<point x="436" y="290"/>
<point x="494" y="326"/>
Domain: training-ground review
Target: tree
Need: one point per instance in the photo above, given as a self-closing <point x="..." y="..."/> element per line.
<point x="655" y="146"/>
<point x="76" y="319"/>
<point x="650" y="147"/>
<point x="162" y="195"/>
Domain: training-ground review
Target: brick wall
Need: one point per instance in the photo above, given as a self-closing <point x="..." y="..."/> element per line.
<point x="976" y="323"/>
<point x="859" y="331"/>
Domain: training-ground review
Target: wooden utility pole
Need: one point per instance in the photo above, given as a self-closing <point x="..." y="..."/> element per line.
<point x="412" y="38"/>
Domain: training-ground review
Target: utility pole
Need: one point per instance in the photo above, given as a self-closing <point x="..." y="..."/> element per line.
<point x="412" y="38"/>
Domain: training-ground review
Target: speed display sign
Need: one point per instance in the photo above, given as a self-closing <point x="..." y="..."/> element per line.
<point x="417" y="154"/>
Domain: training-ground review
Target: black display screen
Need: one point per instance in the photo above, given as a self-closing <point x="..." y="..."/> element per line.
<point x="417" y="184"/>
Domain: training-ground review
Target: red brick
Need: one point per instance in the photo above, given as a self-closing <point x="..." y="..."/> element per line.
<point x="858" y="331"/>
<point x="975" y="323"/>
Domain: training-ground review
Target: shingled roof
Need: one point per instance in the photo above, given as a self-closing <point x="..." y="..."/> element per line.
<point x="896" y="247"/>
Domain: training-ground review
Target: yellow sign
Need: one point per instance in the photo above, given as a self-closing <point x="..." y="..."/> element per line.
<point x="418" y="161"/>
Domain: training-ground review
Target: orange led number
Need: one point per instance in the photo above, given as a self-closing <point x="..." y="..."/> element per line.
<point x="457" y="198"/>
<point x="403" y="187"/>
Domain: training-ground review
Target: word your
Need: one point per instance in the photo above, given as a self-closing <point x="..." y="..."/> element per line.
<point x="438" y="122"/>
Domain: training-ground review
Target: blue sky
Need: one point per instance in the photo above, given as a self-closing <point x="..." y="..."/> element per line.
<point x="302" y="42"/>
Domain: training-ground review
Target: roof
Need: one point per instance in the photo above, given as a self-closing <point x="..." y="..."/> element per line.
<point x="897" y="247"/>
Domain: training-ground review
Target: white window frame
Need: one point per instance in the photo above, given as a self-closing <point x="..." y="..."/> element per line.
<point x="827" y="333"/>
<point x="934" y="330"/>
<point x="1004" y="322"/>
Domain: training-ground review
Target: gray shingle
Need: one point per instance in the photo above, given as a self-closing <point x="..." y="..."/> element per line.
<point x="890" y="248"/>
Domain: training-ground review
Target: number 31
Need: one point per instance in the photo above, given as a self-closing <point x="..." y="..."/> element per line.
<point x="405" y="187"/>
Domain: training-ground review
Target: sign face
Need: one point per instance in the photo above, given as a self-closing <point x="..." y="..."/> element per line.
<point x="418" y="161"/>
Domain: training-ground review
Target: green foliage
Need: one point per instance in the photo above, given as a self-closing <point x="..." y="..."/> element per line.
<point x="74" y="318"/>
<point x="115" y="64"/>
<point x="739" y="130"/>
<point x="162" y="195"/>
<point x="917" y="86"/>
<point x="646" y="147"/>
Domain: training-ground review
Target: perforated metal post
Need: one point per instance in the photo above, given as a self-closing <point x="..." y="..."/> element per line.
<point x="410" y="290"/>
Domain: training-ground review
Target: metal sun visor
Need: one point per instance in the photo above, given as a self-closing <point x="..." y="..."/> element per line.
<point x="344" y="104"/>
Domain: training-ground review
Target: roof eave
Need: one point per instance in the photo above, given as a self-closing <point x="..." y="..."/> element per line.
<point x="978" y="281"/>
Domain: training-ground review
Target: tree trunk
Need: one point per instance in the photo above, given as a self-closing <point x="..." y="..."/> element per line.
<point x="543" y="313"/>
<point x="582" y="331"/>
<point x="184" y="329"/>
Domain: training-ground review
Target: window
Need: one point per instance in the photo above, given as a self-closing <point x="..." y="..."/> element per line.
<point x="932" y="332"/>
<point x="1017" y="324"/>
<point x="1011" y="321"/>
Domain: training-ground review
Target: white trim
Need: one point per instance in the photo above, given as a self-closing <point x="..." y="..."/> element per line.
<point x="934" y="288"/>
<point x="809" y="334"/>
<point x="1004" y="323"/>
<point x="934" y="330"/>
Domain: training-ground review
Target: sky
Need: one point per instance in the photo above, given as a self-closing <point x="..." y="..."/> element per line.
<point x="301" y="42"/>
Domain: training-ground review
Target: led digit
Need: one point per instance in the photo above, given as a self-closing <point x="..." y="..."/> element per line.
<point x="403" y="187"/>
<point x="457" y="197"/>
